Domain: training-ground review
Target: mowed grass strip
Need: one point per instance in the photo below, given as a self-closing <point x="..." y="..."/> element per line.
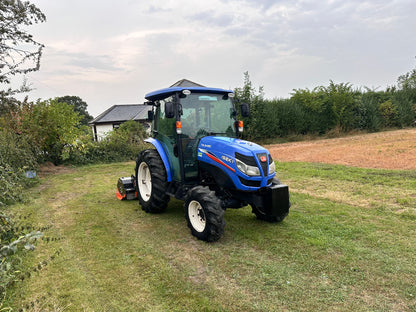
<point x="348" y="244"/>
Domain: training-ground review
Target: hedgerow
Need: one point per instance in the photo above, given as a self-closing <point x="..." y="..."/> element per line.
<point x="327" y="108"/>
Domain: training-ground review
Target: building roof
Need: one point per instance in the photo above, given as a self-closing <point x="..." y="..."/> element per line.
<point x="121" y="113"/>
<point x="181" y="85"/>
<point x="186" y="84"/>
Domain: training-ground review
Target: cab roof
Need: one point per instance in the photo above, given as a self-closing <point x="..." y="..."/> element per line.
<point x="163" y="93"/>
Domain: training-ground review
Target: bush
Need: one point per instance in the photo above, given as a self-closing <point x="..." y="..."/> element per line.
<point x="120" y="145"/>
<point x="16" y="151"/>
<point x="389" y="112"/>
<point x="48" y="125"/>
<point x="319" y="115"/>
<point x="405" y="102"/>
<point x="11" y="242"/>
<point x="16" y="156"/>
<point x="11" y="185"/>
<point x="369" y="115"/>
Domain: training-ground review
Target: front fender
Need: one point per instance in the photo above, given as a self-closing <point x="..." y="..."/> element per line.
<point x="163" y="155"/>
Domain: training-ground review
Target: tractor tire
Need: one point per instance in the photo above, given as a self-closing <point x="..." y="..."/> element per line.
<point x="268" y="218"/>
<point x="204" y="214"/>
<point x="151" y="182"/>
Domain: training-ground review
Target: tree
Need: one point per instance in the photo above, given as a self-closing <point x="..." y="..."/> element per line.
<point x="248" y="94"/>
<point x="406" y="97"/>
<point x="79" y="106"/>
<point x="49" y="125"/>
<point x="19" y="52"/>
<point x="408" y="80"/>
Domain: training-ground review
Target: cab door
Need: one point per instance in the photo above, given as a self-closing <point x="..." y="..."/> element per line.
<point x="164" y="130"/>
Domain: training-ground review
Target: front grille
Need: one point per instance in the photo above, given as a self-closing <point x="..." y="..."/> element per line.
<point x="264" y="165"/>
<point x="249" y="182"/>
<point x="248" y="160"/>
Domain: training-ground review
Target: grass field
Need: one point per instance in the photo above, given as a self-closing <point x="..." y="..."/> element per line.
<point x="348" y="244"/>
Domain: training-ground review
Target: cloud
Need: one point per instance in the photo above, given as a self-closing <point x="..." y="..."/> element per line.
<point x="94" y="62"/>
<point x="120" y="52"/>
<point x="212" y="18"/>
<point x="153" y="9"/>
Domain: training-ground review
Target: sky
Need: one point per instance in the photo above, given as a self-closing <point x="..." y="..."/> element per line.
<point x="114" y="52"/>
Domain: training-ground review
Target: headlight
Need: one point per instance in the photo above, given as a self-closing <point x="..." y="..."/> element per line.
<point x="272" y="167"/>
<point x="248" y="170"/>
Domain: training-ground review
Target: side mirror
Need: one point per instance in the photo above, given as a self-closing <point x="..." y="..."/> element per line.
<point x="169" y="111"/>
<point x="150" y="115"/>
<point x="245" y="109"/>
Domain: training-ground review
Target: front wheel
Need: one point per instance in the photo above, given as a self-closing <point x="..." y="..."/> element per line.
<point x="265" y="217"/>
<point x="204" y="214"/>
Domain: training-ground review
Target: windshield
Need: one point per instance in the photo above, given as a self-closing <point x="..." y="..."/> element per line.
<point x="207" y="114"/>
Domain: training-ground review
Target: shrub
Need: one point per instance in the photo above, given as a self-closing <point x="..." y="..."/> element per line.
<point x="389" y="112"/>
<point x="11" y="242"/>
<point x="120" y="145"/>
<point x="48" y="125"/>
<point x="405" y="100"/>
<point x="16" y="156"/>
<point x="319" y="113"/>
<point x="16" y="151"/>
<point x="11" y="185"/>
<point x="345" y="104"/>
<point x="369" y="115"/>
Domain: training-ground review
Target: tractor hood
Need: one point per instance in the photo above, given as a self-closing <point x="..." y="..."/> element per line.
<point x="229" y="146"/>
<point x="247" y="164"/>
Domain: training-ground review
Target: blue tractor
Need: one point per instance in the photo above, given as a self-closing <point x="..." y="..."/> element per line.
<point x="199" y="158"/>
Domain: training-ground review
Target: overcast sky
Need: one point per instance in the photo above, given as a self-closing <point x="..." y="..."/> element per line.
<point x="114" y="52"/>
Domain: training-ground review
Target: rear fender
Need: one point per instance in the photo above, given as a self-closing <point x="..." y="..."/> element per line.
<point x="163" y="155"/>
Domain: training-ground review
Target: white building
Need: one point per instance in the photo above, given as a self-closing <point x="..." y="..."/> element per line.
<point x="113" y="117"/>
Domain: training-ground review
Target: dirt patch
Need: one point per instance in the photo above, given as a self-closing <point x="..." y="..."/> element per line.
<point x="49" y="168"/>
<point x="387" y="150"/>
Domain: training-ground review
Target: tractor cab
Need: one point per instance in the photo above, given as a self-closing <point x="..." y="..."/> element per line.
<point x="182" y="116"/>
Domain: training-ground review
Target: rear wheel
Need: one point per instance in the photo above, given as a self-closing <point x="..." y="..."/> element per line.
<point x="151" y="182"/>
<point x="204" y="214"/>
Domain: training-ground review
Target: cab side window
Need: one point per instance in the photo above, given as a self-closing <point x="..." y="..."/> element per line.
<point x="166" y="126"/>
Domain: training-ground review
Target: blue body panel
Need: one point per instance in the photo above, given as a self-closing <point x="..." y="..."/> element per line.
<point x="162" y="93"/>
<point x="220" y="152"/>
<point x="165" y="158"/>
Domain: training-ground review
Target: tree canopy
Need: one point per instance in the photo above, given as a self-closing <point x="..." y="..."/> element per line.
<point x="19" y="52"/>
<point x="79" y="105"/>
<point x="408" y="80"/>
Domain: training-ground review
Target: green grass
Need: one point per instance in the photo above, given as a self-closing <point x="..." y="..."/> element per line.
<point x="348" y="244"/>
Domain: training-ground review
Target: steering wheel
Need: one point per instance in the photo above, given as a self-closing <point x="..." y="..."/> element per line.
<point x="203" y="132"/>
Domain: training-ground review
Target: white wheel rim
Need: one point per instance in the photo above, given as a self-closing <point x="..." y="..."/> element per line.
<point x="144" y="181"/>
<point x="196" y="216"/>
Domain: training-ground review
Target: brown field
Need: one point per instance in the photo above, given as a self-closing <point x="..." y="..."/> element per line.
<point x="387" y="150"/>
